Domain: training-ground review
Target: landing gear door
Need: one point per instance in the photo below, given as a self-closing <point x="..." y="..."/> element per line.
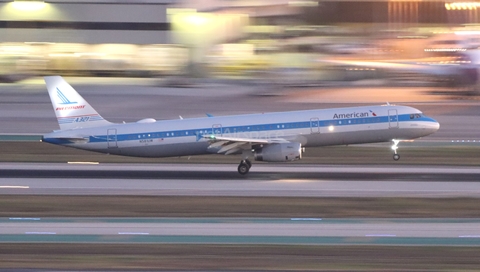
<point x="112" y="138"/>
<point x="314" y="125"/>
<point x="392" y="119"/>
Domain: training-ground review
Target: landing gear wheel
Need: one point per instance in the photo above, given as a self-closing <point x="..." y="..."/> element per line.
<point x="243" y="168"/>
<point x="249" y="163"/>
<point x="396" y="157"/>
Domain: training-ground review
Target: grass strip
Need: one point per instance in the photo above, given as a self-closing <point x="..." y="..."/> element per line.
<point x="360" y="154"/>
<point x="237" y="257"/>
<point x="213" y="206"/>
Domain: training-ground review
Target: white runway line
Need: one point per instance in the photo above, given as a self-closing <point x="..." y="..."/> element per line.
<point x="305" y="219"/>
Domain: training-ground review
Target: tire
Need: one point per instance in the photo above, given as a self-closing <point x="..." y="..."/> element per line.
<point x="243" y="168"/>
<point x="396" y="157"/>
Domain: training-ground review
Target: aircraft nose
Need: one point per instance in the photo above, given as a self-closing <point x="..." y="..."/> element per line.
<point x="437" y="125"/>
<point x="433" y="125"/>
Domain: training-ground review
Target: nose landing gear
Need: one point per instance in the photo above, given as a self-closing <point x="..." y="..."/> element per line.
<point x="396" y="156"/>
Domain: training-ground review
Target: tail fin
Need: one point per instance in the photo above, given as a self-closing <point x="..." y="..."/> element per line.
<point x="71" y="109"/>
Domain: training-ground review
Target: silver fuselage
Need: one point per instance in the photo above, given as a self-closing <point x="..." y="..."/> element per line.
<point x="340" y="126"/>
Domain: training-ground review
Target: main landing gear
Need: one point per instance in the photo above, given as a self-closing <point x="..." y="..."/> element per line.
<point x="396" y="157"/>
<point x="244" y="167"/>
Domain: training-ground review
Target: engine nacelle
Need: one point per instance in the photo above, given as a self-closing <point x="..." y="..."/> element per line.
<point x="279" y="152"/>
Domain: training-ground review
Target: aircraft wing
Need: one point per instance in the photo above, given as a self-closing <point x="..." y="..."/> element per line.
<point x="231" y="145"/>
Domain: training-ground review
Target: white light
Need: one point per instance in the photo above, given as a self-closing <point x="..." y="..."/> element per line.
<point x="89" y="54"/>
<point x="80" y="162"/>
<point x="196" y="19"/>
<point x="303" y="3"/>
<point x="64" y="55"/>
<point x="331" y="128"/>
<point x="471" y="32"/>
<point x="29" y="5"/>
<point x="462" y="5"/>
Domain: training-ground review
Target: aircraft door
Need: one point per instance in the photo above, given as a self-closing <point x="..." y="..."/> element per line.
<point x="314" y="125"/>
<point x="112" y="138"/>
<point x="392" y="119"/>
<point x="217" y="130"/>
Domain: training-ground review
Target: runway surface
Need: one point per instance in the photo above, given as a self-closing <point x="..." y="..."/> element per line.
<point x="223" y="180"/>
<point x="313" y="231"/>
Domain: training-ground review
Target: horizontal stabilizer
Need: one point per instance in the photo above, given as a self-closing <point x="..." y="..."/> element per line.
<point x="65" y="140"/>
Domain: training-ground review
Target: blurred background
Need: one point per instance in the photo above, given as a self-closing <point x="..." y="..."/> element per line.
<point x="315" y="43"/>
<point x="242" y="56"/>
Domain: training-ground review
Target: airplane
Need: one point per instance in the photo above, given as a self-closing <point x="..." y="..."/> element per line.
<point x="460" y="69"/>
<point x="269" y="137"/>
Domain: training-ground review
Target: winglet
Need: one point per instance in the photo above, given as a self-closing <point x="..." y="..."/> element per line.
<point x="71" y="109"/>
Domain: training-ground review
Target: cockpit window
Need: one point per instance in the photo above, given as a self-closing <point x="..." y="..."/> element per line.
<point x="415" y="116"/>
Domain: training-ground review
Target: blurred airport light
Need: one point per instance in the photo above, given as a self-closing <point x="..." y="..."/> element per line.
<point x="303" y="3"/>
<point x="26" y="5"/>
<point x="26" y="11"/>
<point x="199" y="31"/>
<point x="462" y="5"/>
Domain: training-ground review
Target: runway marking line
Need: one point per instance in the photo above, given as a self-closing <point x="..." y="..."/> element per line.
<point x="14" y="187"/>
<point x="94" y="163"/>
<point x="305" y="219"/>
<point x="380" y="235"/>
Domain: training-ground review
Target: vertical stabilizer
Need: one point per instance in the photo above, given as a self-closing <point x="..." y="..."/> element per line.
<point x="71" y="109"/>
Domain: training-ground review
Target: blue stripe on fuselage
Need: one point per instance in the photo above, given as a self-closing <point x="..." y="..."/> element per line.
<point x="258" y="128"/>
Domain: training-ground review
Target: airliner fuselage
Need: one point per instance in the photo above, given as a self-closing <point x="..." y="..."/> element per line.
<point x="278" y="136"/>
<point x="310" y="128"/>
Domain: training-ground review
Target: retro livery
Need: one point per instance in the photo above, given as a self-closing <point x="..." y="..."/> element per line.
<point x="271" y="137"/>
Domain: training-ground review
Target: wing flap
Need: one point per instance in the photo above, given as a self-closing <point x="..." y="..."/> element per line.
<point x="232" y="145"/>
<point x="217" y="144"/>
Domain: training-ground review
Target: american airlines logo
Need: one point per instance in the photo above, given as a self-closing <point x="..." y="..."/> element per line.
<point x="63" y="98"/>
<point x="350" y="115"/>
<point x="66" y="101"/>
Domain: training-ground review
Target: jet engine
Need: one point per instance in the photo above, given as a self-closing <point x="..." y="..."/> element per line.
<point x="279" y="152"/>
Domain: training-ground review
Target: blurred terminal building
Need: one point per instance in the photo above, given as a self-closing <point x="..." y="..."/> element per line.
<point x="163" y="37"/>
